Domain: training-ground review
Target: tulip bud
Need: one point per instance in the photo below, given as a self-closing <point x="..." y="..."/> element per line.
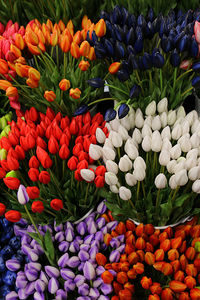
<point x="111" y="178"/>
<point x="164" y="157"/>
<point x="146" y="130"/>
<point x="75" y="93"/>
<point x="162" y="105"/>
<point x="171" y="117"/>
<point x="100" y="136"/>
<point x="130" y="149"/>
<point x="125" y="163"/>
<point x="146" y="143"/>
<point x="114" y="189"/>
<point x="194" y="173"/>
<point x="124" y="193"/>
<point x="181" y="177"/>
<point x="111" y="166"/>
<point x="160" y="181"/>
<point x="13" y="216"/>
<point x="175" y="152"/>
<point x="123" y="132"/>
<point x="108" y="153"/>
<point x="64" y="84"/>
<point x="176" y="132"/>
<point x="196" y="186"/>
<point x="37" y="207"/>
<point x="130" y="179"/>
<point x="139" y="174"/>
<point x="22" y="195"/>
<point x="87" y="175"/>
<point x="151" y="109"/>
<point x="139" y="120"/>
<point x="172" y="182"/>
<point x="95" y="152"/>
<point x="156" y="141"/>
<point x="116" y="139"/>
<point x="56" y="204"/>
<point x="50" y="96"/>
<point x="137" y="136"/>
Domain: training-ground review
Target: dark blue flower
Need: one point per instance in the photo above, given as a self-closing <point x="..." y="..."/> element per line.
<point x="178" y="37"/>
<point x="119" y="50"/>
<point x="104" y="15"/>
<point x="141" y="21"/>
<point x="150" y="14"/>
<point x="2" y="264"/>
<point x="196" y="66"/>
<point x="123" y="110"/>
<point x="4" y="290"/>
<point x="109" y="47"/>
<point x="157" y="22"/>
<point x="134" y="61"/>
<point x="18" y="258"/>
<point x="175" y="58"/>
<point x="96" y="82"/>
<point x="81" y="110"/>
<point x="7" y="251"/>
<point x="117" y="14"/>
<point x="130" y="50"/>
<point x="109" y="28"/>
<point x="9" y="277"/>
<point x="135" y="91"/>
<point x="196" y="82"/>
<point x="138" y="32"/>
<point x="123" y="75"/>
<point x="126" y="66"/>
<point x="110" y="115"/>
<point x="100" y="50"/>
<point x="158" y="60"/>
<point x="118" y="32"/>
<point x="194" y="49"/>
<point x="131" y="21"/>
<point x="183" y="43"/>
<point x="149" y="31"/>
<point x="179" y="14"/>
<point x="147" y="61"/>
<point x="125" y="15"/>
<point x="166" y="43"/>
<point x="130" y="37"/>
<point x="94" y="37"/>
<point x="141" y="66"/>
<point x="15" y="242"/>
<point x="138" y="45"/>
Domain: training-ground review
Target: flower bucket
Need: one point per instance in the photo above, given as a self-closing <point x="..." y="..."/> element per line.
<point x="84" y="217"/>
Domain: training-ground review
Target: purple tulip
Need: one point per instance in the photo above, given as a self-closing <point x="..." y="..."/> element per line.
<point x="101" y="208"/>
<point x="121" y="238"/>
<point x="100" y="270"/>
<point x="96" y="283"/>
<point x="121" y="248"/>
<point x="69" y="234"/>
<point x="61" y="294"/>
<point x="39" y="249"/>
<point x="52" y="271"/>
<point x="59" y="227"/>
<point x="114" y="256"/>
<point x="21" y="282"/>
<point x="53" y="285"/>
<point x="83" y="298"/>
<point x="26" y="249"/>
<point x="100" y="222"/>
<point x="26" y="239"/>
<point x="79" y="280"/>
<point x="33" y="255"/>
<point x="59" y="237"/>
<point x="114" y="243"/>
<point x="63" y="246"/>
<point x="95" y="244"/>
<point x="79" y="240"/>
<point x="20" y="273"/>
<point x="81" y="228"/>
<point x="113" y="272"/>
<point x="67" y="274"/>
<point x="104" y="230"/>
<point x="89" y="271"/>
<point x="30" y="288"/>
<point x="93" y="252"/>
<point x="88" y="239"/>
<point x="73" y="262"/>
<point x="40" y="286"/>
<point x="68" y="225"/>
<point x="22" y="195"/>
<point x="31" y="228"/>
<point x="69" y="285"/>
<point x="38" y="296"/>
<point x="83" y="289"/>
<point x="84" y="247"/>
<point x="13" y="264"/>
<point x="94" y="293"/>
<point x="74" y="247"/>
<point x="12" y="296"/>
<point x="80" y="267"/>
<point x="19" y="231"/>
<point x="102" y="297"/>
<point x="106" y="288"/>
<point x="43" y="277"/>
<point x="35" y="266"/>
<point x="92" y="227"/>
<point x="99" y="236"/>
<point x="83" y="255"/>
<point x="90" y="218"/>
<point x="31" y="275"/>
<point x="22" y="294"/>
<point x="62" y="262"/>
<point x="111" y="225"/>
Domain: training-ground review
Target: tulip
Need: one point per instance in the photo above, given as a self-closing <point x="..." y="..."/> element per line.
<point x="130" y="149"/>
<point x="75" y="93"/>
<point x="116" y="139"/>
<point x="156" y="141"/>
<point x="108" y="153"/>
<point x="160" y="181"/>
<point x="56" y="204"/>
<point x="194" y="293"/>
<point x="162" y="105"/>
<point x="123" y="110"/>
<point x="181" y="177"/>
<point x="130" y="179"/>
<point x="146" y="143"/>
<point x="50" y="96"/>
<point x="13" y="216"/>
<point x="123" y="132"/>
<point x="87" y="175"/>
<point x="64" y="84"/>
<point x="110" y="115"/>
<point x="111" y="178"/>
<point x="175" y="152"/>
<point x="89" y="271"/>
<point x="135" y="91"/>
<point x="113" y="68"/>
<point x="84" y="65"/>
<point x="12" y="183"/>
<point x="95" y="152"/>
<point x="22" y="195"/>
<point x="44" y="177"/>
<point x="196" y="186"/>
<point x="124" y="193"/>
<point x="151" y="109"/>
<point x="37" y="207"/>
<point x="139" y="120"/>
<point x="125" y="163"/>
<point x="139" y="163"/>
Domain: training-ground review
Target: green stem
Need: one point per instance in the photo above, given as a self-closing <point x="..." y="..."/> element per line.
<point x="131" y="203"/>
<point x="118" y="152"/>
<point x="161" y="81"/>
<point x="143" y="189"/>
<point x="57" y="56"/>
<point x="86" y="192"/>
<point x="175" y="74"/>
<point x="175" y="192"/>
<point x="72" y="178"/>
<point x="157" y="204"/>
<point x="36" y="62"/>
<point x="64" y="64"/>
<point x="63" y="167"/>
<point x="185" y="73"/>
<point x="32" y="221"/>
<point x="151" y="81"/>
<point x="139" y="81"/>
<point x="118" y="89"/>
<point x="186" y="91"/>
<point x="101" y="100"/>
<point x="138" y="190"/>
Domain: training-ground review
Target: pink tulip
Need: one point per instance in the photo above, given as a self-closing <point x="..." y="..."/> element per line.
<point x="197" y="31"/>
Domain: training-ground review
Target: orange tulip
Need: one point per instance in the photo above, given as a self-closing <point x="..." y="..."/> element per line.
<point x="191" y="270"/>
<point x="75" y="50"/>
<point x="141" y="255"/>
<point x="114" y="67"/>
<point x="19" y="41"/>
<point x="61" y="25"/>
<point x="195" y="294"/>
<point x="32" y="83"/>
<point x="120" y="228"/>
<point x="3" y="66"/>
<point x="173" y="254"/>
<point x="132" y="274"/>
<point x="183" y="261"/>
<point x="133" y="258"/>
<point x="146" y="282"/>
<point x="190" y="253"/>
<point x="11" y="66"/>
<point x="140" y="243"/>
<point x="77" y="38"/>
<point x="177" y="286"/>
<point x="130" y="287"/>
<point x="22" y="70"/>
<point x="167" y="294"/>
<point x="70" y="27"/>
<point x="129" y="249"/>
<point x="49" y="25"/>
<point x="31" y="37"/>
<point x="163" y="236"/>
<point x="183" y="247"/>
<point x="34" y="74"/>
<point x="107" y="277"/>
<point x="139" y="268"/>
<point x="130" y="225"/>
<point x="68" y="34"/>
<point x="15" y="50"/>
<point x="11" y="91"/>
<point x="190" y="282"/>
<point x="184" y="296"/>
<point x="4" y="84"/>
<point x="84" y="65"/>
<point x="54" y="38"/>
<point x="165" y="245"/>
<point x="46" y="33"/>
<point x="84" y="48"/>
<point x="179" y="275"/>
<point x="64" y="84"/>
<point x="153" y="297"/>
<point x="125" y="294"/>
<point x="101" y="259"/>
<point x="33" y="49"/>
<point x="122" y="277"/>
<point x="100" y="28"/>
<point x="21" y="60"/>
<point x="49" y="96"/>
<point x="107" y="238"/>
<point x="159" y="254"/>
<point x="84" y="21"/>
<point x="116" y="267"/>
<point x="167" y="269"/>
<point x="176" y="242"/>
<point x="117" y="287"/>
<point x="156" y="288"/>
<point x="64" y="43"/>
<point x="149" y="258"/>
<point x="124" y="266"/>
<point x="84" y="33"/>
<point x="41" y="36"/>
<point x="91" y="54"/>
<point x="158" y="265"/>
<point x="75" y="93"/>
<point x="175" y="265"/>
<point x="108" y="266"/>
<point x="139" y="230"/>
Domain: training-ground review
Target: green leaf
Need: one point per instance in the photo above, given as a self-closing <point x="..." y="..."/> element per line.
<point x="36" y="237"/>
<point x="180" y="200"/>
<point x="49" y="245"/>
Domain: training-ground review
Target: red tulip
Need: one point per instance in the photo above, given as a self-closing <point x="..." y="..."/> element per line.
<point x="125" y="294"/>
<point x="101" y="259"/>
<point x="107" y="277"/>
<point x="2" y="173"/>
<point x="139" y="268"/>
<point x="122" y="277"/>
<point x="117" y="287"/>
<point x="167" y="269"/>
<point x="50" y="96"/>
<point x="73" y="127"/>
<point x="149" y="258"/>
<point x="44" y="177"/>
<point x="156" y="288"/>
<point x="2" y="209"/>
<point x="146" y="282"/>
<point x="72" y="163"/>
<point x="20" y="152"/>
<point x="190" y="253"/>
<point x="5" y="143"/>
<point x="64" y="152"/>
<point x="13" y="216"/>
<point x="33" y="192"/>
<point x="177" y="286"/>
<point x="56" y="204"/>
<point x="140" y="243"/>
<point x="50" y="113"/>
<point x="165" y="245"/>
<point x="12" y="162"/>
<point x="99" y="181"/>
<point x="184" y="296"/>
<point x="33" y="114"/>
<point x="84" y="65"/>
<point x="183" y="261"/>
<point x="190" y="282"/>
<point x="53" y="145"/>
<point x="132" y="274"/>
<point x="159" y="255"/>
<point x="173" y="254"/>
<point x="33" y="162"/>
<point x="167" y="294"/>
<point x="43" y="157"/>
<point x="179" y="275"/>
<point x="13" y="138"/>
<point x="195" y="294"/>
<point x="153" y="297"/>
<point x="191" y="270"/>
<point x="33" y="174"/>
<point x="12" y="183"/>
<point x="37" y="207"/>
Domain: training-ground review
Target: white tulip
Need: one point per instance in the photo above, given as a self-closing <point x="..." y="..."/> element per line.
<point x="195" y="125"/>
<point x="192" y="153"/>
<point x="108" y="143"/>
<point x="146" y="143"/>
<point x="178" y="121"/>
<point x="131" y="117"/>
<point x="171" y="165"/>
<point x="181" y="177"/>
<point x="151" y="109"/>
<point x="146" y="130"/>
<point x="185" y="143"/>
<point x="156" y="123"/>
<point x="139" y="163"/>
<point x="137" y="136"/>
<point x="156" y="141"/>
<point x="190" y="163"/>
<point x="139" y="120"/>
<point x="172" y="182"/>
<point x="160" y="181"/>
<point x="175" y="152"/>
<point x="116" y="139"/>
<point x="162" y="105"/>
<point x="108" y="126"/>
<point x="166" y="144"/>
<point x="179" y="166"/>
<point x="196" y="186"/>
<point x="115" y="124"/>
<point x="164" y="157"/>
<point x="123" y="133"/>
<point x="139" y="174"/>
<point x="130" y="179"/>
<point x="111" y="178"/>
<point x="100" y="135"/>
<point x="181" y="112"/>
<point x="92" y="167"/>
<point x="198" y="130"/>
<point x="95" y="151"/>
<point x="194" y="173"/>
<point x="124" y="193"/>
<point x="195" y="140"/>
<point x="108" y="153"/>
<point x="148" y="120"/>
<point x="171" y="117"/>
<point x="190" y="118"/>
<point x="195" y="115"/>
<point x="111" y="166"/>
<point x="125" y="164"/>
<point x="130" y="149"/>
<point x="87" y="175"/>
<point x="176" y="132"/>
<point x="125" y="122"/>
<point x="166" y="133"/>
<point x="163" y="119"/>
<point x="114" y="189"/>
<point x="185" y="127"/>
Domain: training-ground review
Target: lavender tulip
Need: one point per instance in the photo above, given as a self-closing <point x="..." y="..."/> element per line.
<point x="58" y="228"/>
<point x="43" y="277"/>
<point x="31" y="275"/>
<point x="22" y="294"/>
<point x="79" y="240"/>
<point x="59" y="236"/>
<point x="88" y="239"/>
<point x="52" y="271"/>
<point x="103" y="297"/>
<point x="100" y="270"/>
<point x="92" y="227"/>
<point x="63" y="246"/>
<point x="30" y="288"/>
<point x="83" y="255"/>
<point x="68" y="225"/>
<point x="69" y="234"/>
<point x="26" y="240"/>
<point x="120" y="238"/>
<point x="79" y="280"/>
<point x="40" y="286"/>
<point x="12" y="296"/>
<point x="19" y="231"/>
<point x="99" y="236"/>
<point x="74" y="247"/>
<point x="73" y="262"/>
<point x="121" y="248"/>
<point x="96" y="283"/>
<point x="89" y="271"/>
<point x="67" y="274"/>
<point x="106" y="288"/>
<point x="33" y="255"/>
<point x="26" y="249"/>
<point x="13" y="264"/>
<point x="114" y="243"/>
<point x="84" y="247"/>
<point x="83" y="298"/>
<point x="111" y="225"/>
<point x="100" y="222"/>
<point x="83" y="289"/>
<point x="114" y="256"/>
<point x="93" y="251"/>
<point x="69" y="285"/>
<point x="80" y="267"/>
<point x="81" y="228"/>
<point x="22" y="195"/>
<point x="53" y="285"/>
<point x="101" y="208"/>
<point x="94" y="293"/>
<point x="38" y="296"/>
<point x="62" y="262"/>
<point x="38" y="249"/>
<point x="62" y="294"/>
<point x="95" y="244"/>
<point x="35" y="266"/>
<point x="104" y="230"/>
<point x="21" y="282"/>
